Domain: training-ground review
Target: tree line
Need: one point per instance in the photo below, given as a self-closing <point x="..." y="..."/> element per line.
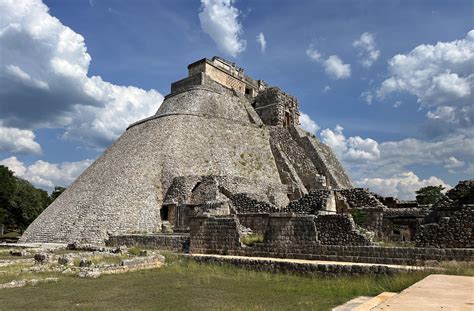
<point x="20" y="201"/>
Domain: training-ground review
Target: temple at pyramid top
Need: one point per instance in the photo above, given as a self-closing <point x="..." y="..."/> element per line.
<point x="274" y="106"/>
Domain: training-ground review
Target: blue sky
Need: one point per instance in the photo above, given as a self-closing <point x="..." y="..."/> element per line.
<point x="388" y="84"/>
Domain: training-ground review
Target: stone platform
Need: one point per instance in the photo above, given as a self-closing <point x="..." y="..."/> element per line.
<point x="435" y="292"/>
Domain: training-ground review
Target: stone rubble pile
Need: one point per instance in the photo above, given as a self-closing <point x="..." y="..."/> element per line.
<point x="311" y="203"/>
<point x="360" y="197"/>
<point x="243" y="204"/>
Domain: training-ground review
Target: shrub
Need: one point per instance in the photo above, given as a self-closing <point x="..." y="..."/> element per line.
<point x="251" y="239"/>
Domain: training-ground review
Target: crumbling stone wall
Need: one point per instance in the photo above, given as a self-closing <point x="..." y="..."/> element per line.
<point x="244" y="204"/>
<point x="339" y="230"/>
<point x="169" y="242"/>
<point x="256" y="222"/>
<point x="400" y="224"/>
<point x="209" y="237"/>
<point x="453" y="231"/>
<point x="311" y="203"/>
<point x="277" y="108"/>
<point x="360" y="197"/>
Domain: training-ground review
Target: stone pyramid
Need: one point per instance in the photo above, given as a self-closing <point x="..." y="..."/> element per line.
<point x="219" y="132"/>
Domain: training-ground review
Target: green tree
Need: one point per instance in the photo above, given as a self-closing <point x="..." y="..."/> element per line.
<point x="429" y="194"/>
<point x="29" y="202"/>
<point x="20" y="201"/>
<point x="7" y="188"/>
<point x="56" y="193"/>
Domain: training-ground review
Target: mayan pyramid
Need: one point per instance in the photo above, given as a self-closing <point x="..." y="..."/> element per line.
<point x="218" y="132"/>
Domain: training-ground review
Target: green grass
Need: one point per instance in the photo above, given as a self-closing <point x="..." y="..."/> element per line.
<point x="186" y="285"/>
<point x="11" y="234"/>
<point x="251" y="239"/>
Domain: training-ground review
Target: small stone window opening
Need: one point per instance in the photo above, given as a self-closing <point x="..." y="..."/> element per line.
<point x="164" y="213"/>
<point x="247" y="91"/>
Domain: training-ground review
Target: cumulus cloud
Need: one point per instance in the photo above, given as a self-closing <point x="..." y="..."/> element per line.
<point x="441" y="76"/>
<point x="308" y="124"/>
<point x="336" y="68"/>
<point x="370" y="162"/>
<point x="401" y="185"/>
<point x="333" y="65"/>
<point x="368" y="52"/>
<point x="45" y="83"/>
<point x="262" y="42"/>
<point x="219" y="19"/>
<point x="352" y="148"/>
<point x="18" y="141"/>
<point x="47" y="175"/>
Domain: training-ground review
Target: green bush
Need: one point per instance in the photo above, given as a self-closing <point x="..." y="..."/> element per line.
<point x="251" y="239"/>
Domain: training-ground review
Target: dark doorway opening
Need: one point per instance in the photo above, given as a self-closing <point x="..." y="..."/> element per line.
<point x="164" y="213"/>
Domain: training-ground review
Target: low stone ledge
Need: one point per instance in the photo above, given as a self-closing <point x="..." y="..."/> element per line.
<point x="169" y="242"/>
<point x="300" y="267"/>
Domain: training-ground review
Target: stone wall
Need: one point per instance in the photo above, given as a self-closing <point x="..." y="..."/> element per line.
<point x="170" y="242"/>
<point x="256" y="222"/>
<point x="215" y="235"/>
<point x="277" y="108"/>
<point x="284" y="230"/>
<point x="339" y="230"/>
<point x="369" y="218"/>
<point x="453" y="231"/>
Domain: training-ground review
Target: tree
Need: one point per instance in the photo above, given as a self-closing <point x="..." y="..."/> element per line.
<point x="7" y="188"/>
<point x="20" y="201"/>
<point x="56" y="193"/>
<point x="429" y="194"/>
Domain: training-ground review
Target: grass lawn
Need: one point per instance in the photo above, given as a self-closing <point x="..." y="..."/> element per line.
<point x="186" y="285"/>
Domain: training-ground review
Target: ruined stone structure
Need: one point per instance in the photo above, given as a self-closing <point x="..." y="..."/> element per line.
<point x="224" y="158"/>
<point x="219" y="133"/>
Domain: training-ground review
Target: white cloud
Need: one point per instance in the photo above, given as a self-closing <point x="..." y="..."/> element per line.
<point x="441" y="76"/>
<point x="47" y="175"/>
<point x="352" y="148"/>
<point x="219" y="19"/>
<point x="368" y="52"/>
<point x="336" y="69"/>
<point x="45" y="84"/>
<point x="18" y="141"/>
<point x="262" y="42"/>
<point x="308" y="124"/>
<point x="326" y="89"/>
<point x="333" y="65"/>
<point x="401" y="185"/>
<point x="453" y="164"/>
<point x="367" y="96"/>
<point x="370" y="162"/>
<point x="313" y="54"/>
